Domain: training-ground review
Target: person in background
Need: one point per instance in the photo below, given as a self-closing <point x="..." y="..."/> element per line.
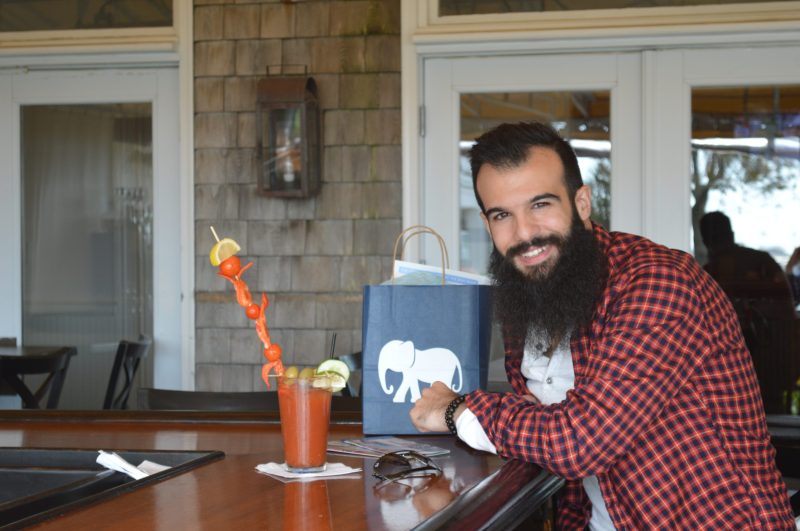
<point x="740" y="271"/>
<point x="762" y="298"/>
<point x="630" y="375"/>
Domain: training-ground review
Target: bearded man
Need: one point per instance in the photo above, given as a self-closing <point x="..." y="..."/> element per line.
<point x="630" y="375"/>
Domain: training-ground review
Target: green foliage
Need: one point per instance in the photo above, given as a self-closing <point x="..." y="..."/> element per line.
<point x="600" y="183"/>
<point x="730" y="171"/>
<point x="736" y="171"/>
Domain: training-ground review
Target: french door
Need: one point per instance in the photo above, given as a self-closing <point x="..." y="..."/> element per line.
<point x="629" y="116"/>
<point x="90" y="221"/>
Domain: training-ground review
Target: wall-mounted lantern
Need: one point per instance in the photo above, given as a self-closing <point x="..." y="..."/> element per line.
<point x="288" y="136"/>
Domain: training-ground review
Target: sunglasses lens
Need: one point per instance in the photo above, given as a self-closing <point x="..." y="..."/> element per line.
<point x="391" y="464"/>
<point x="400" y="464"/>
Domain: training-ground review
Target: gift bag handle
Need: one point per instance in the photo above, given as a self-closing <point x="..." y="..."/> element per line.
<point x="415" y="230"/>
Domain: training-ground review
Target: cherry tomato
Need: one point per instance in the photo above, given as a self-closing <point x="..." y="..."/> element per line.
<point x="273" y="352"/>
<point x="253" y="311"/>
<point x="230" y="266"/>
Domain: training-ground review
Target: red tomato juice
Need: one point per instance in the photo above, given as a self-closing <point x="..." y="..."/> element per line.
<point x="305" y="414"/>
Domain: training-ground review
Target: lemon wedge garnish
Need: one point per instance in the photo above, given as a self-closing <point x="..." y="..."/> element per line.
<point x="336" y="371"/>
<point x="222" y="250"/>
<point x="334" y="366"/>
<point x="337" y="382"/>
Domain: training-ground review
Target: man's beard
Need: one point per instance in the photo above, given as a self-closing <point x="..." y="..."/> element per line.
<point x="551" y="299"/>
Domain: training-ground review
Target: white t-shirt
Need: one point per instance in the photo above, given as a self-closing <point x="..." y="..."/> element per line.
<point x="548" y="379"/>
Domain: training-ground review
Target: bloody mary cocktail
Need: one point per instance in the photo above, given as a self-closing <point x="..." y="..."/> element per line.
<point x="305" y="415"/>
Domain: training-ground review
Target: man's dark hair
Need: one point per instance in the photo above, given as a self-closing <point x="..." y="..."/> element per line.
<point x="508" y="146"/>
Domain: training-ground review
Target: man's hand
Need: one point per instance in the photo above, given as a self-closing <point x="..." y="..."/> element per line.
<point x="428" y="412"/>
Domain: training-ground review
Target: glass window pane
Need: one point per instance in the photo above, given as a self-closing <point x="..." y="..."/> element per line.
<point x="581" y="117"/>
<point x="87" y="182"/>
<point x="482" y="7"/>
<point x="39" y="15"/>
<point x="745" y="163"/>
<point x="746" y="215"/>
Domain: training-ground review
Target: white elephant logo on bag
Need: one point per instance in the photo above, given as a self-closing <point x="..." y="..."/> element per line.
<point x="430" y="365"/>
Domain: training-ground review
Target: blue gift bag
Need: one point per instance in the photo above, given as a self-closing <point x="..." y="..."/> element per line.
<point x="415" y="335"/>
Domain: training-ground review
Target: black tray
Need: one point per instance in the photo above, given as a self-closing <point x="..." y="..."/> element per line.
<point x="39" y="483"/>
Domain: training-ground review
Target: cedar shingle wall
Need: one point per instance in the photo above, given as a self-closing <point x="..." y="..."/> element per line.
<point x="312" y="256"/>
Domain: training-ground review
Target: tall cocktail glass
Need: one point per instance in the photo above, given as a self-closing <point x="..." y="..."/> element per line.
<point x="305" y="406"/>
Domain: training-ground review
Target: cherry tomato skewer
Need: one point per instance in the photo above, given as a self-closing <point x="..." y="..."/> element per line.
<point x="261" y="323"/>
<point x="232" y="270"/>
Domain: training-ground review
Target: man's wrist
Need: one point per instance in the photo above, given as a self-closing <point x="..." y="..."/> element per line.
<point x="459" y="410"/>
<point x="455" y="405"/>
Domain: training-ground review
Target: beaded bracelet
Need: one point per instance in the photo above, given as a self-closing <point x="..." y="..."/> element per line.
<point x="448" y="413"/>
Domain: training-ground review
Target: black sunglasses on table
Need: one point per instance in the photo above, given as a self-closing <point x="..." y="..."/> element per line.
<point x="404" y="464"/>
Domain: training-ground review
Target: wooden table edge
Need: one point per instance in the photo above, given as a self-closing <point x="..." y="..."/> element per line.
<point x="138" y="416"/>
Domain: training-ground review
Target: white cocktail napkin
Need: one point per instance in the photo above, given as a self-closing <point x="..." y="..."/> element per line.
<point x="280" y="472"/>
<point x="114" y="462"/>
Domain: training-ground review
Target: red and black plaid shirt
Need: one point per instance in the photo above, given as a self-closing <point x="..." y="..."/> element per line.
<point x="665" y="411"/>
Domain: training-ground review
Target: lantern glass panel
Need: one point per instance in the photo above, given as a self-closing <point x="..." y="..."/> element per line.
<point x="313" y="152"/>
<point x="283" y="135"/>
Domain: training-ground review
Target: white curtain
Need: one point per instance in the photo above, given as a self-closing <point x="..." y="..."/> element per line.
<point x="87" y="222"/>
<point x="67" y="184"/>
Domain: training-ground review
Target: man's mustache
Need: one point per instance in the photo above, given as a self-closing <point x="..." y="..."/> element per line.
<point x="539" y="241"/>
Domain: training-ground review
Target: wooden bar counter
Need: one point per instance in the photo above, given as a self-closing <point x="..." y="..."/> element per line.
<point x="476" y="490"/>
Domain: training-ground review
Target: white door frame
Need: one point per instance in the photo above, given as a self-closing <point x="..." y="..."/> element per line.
<point x="669" y="77"/>
<point x="426" y="36"/>
<point x="447" y="78"/>
<point x="156" y="86"/>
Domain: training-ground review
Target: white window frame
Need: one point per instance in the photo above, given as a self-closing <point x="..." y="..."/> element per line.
<point x="446" y="79"/>
<point x="426" y="35"/>
<point x="501" y="26"/>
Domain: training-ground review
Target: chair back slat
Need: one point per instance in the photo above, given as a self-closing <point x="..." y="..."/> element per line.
<point x="126" y="364"/>
<point x="169" y="399"/>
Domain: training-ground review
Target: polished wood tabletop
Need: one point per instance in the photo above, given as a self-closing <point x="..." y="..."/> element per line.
<point x="476" y="490"/>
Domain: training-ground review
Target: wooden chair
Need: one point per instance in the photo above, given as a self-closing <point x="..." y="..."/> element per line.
<point x="53" y="365"/>
<point x="772" y="335"/>
<point x="149" y="398"/>
<point x="126" y="363"/>
<point x="168" y="399"/>
<point x="5" y="389"/>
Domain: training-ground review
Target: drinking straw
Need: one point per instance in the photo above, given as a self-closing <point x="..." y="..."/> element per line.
<point x="333" y="344"/>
